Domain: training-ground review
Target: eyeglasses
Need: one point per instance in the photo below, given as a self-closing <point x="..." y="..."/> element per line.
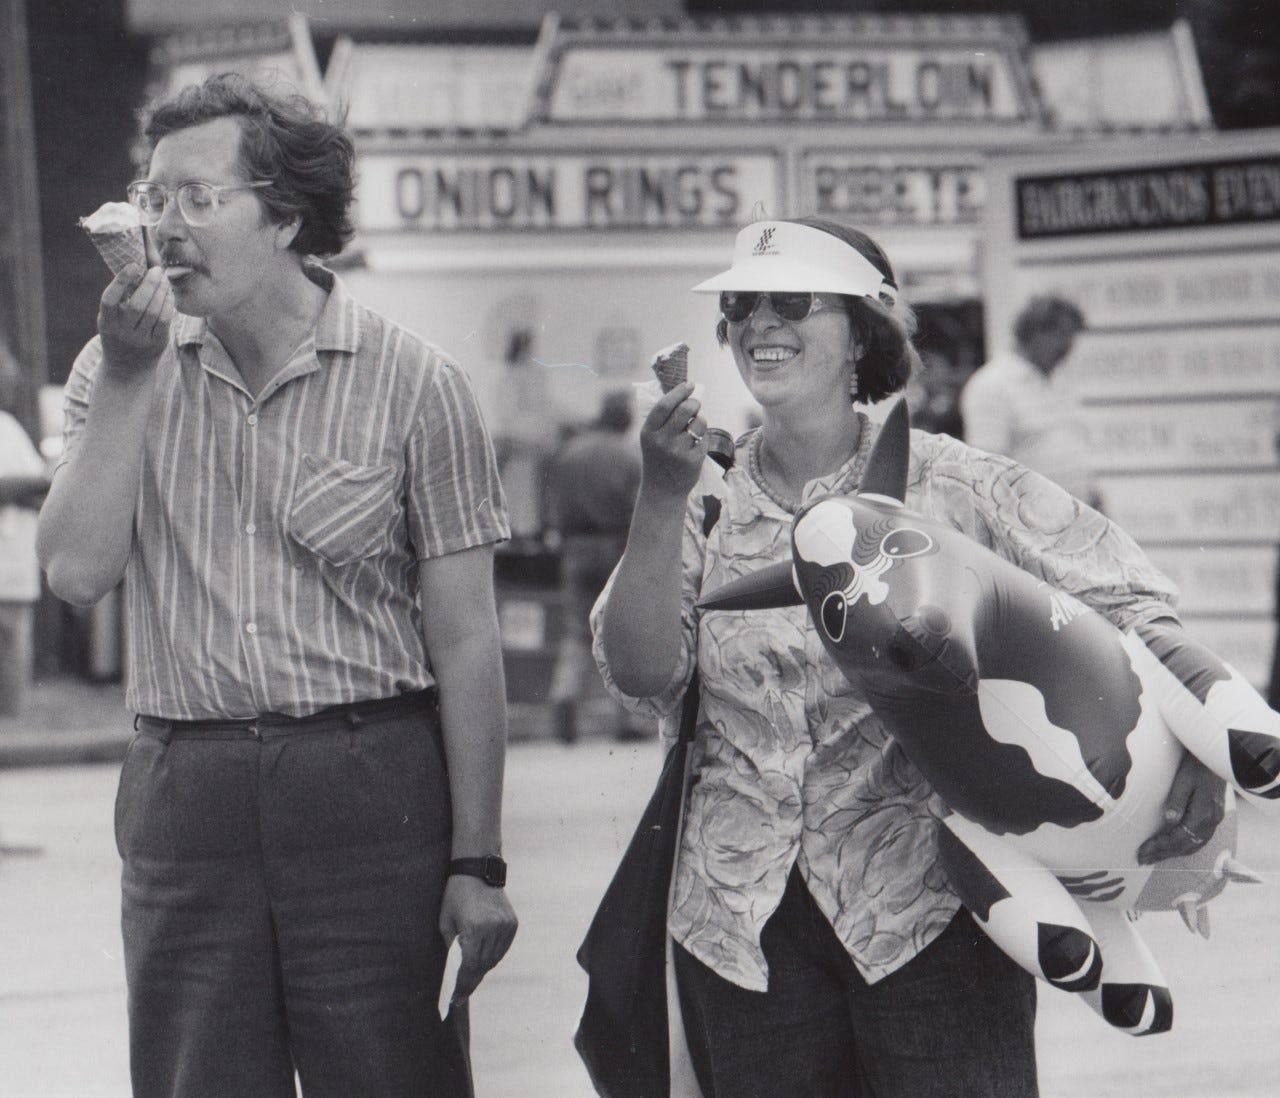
<point x="197" y="202"/>
<point x="737" y="305"/>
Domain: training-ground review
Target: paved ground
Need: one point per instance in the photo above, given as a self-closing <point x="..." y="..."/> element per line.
<point x="66" y="720"/>
<point x="570" y="811"/>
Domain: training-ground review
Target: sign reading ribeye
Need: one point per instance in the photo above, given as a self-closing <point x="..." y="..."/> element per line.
<point x="891" y="188"/>
<point x="885" y="82"/>
<point x="522" y="190"/>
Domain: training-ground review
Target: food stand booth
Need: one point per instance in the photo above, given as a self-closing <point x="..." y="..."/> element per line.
<point x="542" y="210"/>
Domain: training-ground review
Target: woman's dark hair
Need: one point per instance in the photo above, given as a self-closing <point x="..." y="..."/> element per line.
<point x="286" y="140"/>
<point x="885" y="332"/>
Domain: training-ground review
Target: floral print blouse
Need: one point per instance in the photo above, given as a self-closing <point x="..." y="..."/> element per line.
<point x="791" y="766"/>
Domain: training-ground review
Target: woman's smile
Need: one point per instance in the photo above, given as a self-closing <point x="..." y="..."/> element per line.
<point x="770" y="356"/>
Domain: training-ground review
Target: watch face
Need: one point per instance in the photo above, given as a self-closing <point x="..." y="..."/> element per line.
<point x="495" y="872"/>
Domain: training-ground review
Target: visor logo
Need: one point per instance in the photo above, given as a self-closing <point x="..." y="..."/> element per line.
<point x="765" y="244"/>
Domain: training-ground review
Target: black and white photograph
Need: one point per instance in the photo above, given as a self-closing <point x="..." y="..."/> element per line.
<point x="639" y="549"/>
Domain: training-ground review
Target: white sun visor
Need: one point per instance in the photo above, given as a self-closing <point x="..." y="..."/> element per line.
<point x="780" y="255"/>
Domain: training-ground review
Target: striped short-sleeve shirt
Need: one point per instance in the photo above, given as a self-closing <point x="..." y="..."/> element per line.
<point x="277" y="538"/>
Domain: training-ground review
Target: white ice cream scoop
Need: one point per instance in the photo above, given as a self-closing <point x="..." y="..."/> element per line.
<point x="116" y="231"/>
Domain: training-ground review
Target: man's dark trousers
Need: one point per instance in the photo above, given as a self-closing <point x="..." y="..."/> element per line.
<point x="282" y="883"/>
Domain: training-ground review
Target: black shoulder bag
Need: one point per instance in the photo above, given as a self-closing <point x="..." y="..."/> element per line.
<point x="622" y="1037"/>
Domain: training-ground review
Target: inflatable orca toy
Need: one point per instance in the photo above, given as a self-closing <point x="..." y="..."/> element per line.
<point x="1051" y="735"/>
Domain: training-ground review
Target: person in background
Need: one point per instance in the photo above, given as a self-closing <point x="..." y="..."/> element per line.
<point x="302" y="500"/>
<point x="819" y="949"/>
<point x="593" y="483"/>
<point x="1016" y="404"/>
<point x="23" y="480"/>
<point x="520" y="413"/>
<point x="1273" y="687"/>
<point x="933" y="394"/>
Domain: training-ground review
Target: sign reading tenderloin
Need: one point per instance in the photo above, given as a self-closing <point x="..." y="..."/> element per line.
<point x="888" y="82"/>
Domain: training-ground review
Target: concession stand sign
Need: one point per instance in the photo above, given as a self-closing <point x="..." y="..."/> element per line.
<point x="1163" y="197"/>
<point x="523" y="190"/>
<point x="880" y="82"/>
<point x="893" y="189"/>
<point x="1171" y="247"/>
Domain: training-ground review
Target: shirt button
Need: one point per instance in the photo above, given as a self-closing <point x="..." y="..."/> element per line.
<point x="250" y="528"/>
<point x="251" y="628"/>
<point x="253" y="419"/>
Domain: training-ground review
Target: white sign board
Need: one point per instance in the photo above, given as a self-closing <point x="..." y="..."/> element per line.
<point x="427" y="192"/>
<point x="1197" y="287"/>
<point x="876" y="82"/>
<point x="1172" y="251"/>
<point x="891" y="188"/>
<point x="1225" y="359"/>
<point x="1189" y="435"/>
<point x="1220" y="579"/>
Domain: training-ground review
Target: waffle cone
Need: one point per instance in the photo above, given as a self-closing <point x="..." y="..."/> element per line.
<point x="671" y="366"/>
<point x="120" y="249"/>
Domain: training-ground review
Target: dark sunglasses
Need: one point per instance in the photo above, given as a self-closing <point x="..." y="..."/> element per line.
<point x="737" y="305"/>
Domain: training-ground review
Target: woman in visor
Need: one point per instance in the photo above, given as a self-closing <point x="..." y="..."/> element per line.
<point x="818" y="947"/>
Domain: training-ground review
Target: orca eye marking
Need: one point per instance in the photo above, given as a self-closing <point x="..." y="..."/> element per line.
<point x="833" y="613"/>
<point x="905" y="542"/>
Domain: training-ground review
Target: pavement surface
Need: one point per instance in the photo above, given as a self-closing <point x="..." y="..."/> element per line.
<point x="66" y="721"/>
<point x="570" y="811"/>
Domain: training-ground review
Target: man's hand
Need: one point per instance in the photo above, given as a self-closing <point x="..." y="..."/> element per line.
<point x="133" y="320"/>
<point x="482" y="919"/>
<point x="1192" y="811"/>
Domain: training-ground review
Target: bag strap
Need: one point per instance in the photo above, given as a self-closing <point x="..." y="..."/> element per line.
<point x="689" y="710"/>
<point x="692" y="694"/>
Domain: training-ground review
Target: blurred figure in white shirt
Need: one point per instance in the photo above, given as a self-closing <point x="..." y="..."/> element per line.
<point x="1016" y="406"/>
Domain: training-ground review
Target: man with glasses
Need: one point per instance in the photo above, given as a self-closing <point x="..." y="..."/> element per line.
<point x="302" y="500"/>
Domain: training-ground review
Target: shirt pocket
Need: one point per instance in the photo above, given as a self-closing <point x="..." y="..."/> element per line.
<point x="341" y="511"/>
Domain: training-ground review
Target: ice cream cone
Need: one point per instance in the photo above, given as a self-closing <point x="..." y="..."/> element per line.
<point x="671" y="366"/>
<point x="116" y="232"/>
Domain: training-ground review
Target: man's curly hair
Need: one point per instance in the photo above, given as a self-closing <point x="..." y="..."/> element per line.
<point x="286" y="140"/>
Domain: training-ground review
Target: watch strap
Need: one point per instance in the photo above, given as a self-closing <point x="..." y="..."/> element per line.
<point x="491" y="869"/>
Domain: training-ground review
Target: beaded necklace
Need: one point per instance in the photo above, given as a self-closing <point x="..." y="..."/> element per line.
<point x="854" y="461"/>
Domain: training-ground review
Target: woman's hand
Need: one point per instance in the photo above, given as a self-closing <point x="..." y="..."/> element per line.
<point x="672" y="443"/>
<point x="1192" y="811"/>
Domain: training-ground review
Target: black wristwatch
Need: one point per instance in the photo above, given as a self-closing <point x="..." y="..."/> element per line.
<point x="490" y="869"/>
